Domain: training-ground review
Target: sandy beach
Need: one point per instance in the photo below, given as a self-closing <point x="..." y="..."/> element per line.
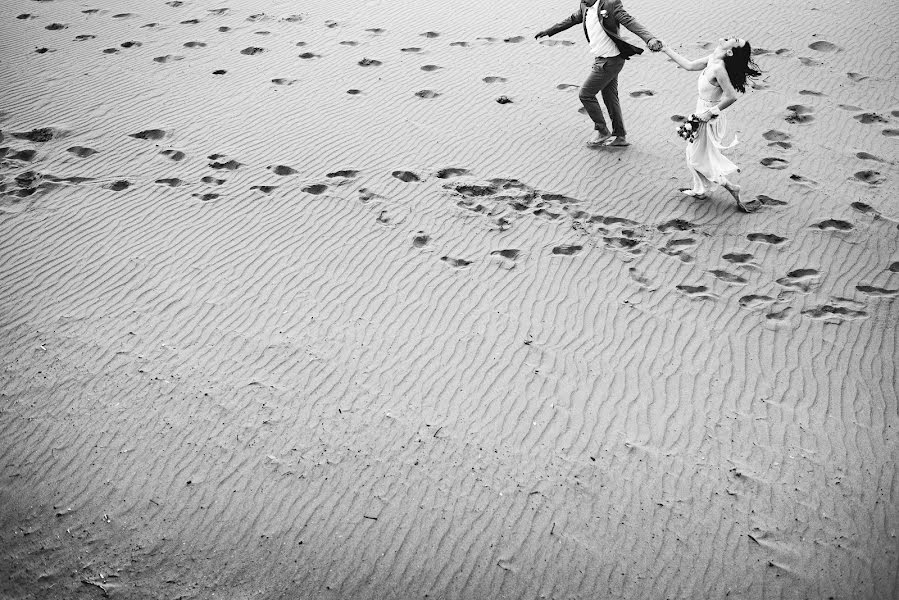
<point x="293" y="306"/>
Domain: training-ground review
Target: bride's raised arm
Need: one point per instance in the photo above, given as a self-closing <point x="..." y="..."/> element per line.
<point x="690" y="65"/>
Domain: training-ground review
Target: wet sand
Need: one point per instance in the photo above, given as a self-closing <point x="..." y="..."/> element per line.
<point x="293" y="307"/>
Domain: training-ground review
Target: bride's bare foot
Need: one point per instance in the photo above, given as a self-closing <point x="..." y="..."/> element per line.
<point x="694" y="194"/>
<point x="748" y="207"/>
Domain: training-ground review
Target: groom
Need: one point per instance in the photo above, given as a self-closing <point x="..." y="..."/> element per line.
<point x="601" y="19"/>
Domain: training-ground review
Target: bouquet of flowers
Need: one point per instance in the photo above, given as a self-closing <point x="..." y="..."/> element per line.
<point x="690" y="128"/>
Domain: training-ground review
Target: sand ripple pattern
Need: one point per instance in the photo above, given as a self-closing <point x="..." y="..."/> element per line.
<point x="267" y="338"/>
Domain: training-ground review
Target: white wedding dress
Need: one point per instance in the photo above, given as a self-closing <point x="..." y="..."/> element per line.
<point x="704" y="157"/>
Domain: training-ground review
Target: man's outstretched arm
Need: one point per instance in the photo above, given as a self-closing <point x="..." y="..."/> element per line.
<point x="635" y="27"/>
<point x="571" y="21"/>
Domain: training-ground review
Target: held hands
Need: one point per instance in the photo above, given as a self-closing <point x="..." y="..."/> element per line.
<point x="706" y="116"/>
<point x="655" y="44"/>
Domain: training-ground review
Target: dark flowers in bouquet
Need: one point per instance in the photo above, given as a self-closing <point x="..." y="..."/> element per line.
<point x="689" y="129"/>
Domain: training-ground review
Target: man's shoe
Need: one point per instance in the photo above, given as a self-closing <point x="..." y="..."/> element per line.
<point x="598" y="139"/>
<point x="616" y="141"/>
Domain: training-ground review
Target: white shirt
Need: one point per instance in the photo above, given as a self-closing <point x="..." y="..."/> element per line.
<point x="600" y="43"/>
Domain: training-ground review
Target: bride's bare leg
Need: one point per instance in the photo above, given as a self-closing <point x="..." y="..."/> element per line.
<point x="701" y="185"/>
<point x="734" y="191"/>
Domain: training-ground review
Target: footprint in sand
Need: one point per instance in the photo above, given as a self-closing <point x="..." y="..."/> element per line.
<point x="56" y="26"/>
<point x="224" y="29"/>
<point x="175" y="3"/>
<point x="869" y="156"/>
<point x="833" y="225"/>
<point x="21" y="155"/>
<point x="495" y="79"/>
<point x="642" y="93"/>
<point x="810" y="62"/>
<point x="567" y="249"/>
<point x="489" y="40"/>
<point x="110" y="51"/>
<point x="774" y="163"/>
<point x="697" y="292"/>
<point x="311" y="55"/>
<point x="870" y="290"/>
<point x="769" y="201"/>
<point x="430" y="34"/>
<point x="369" y="62"/>
<point x="517" y="39"/>
<point x="460" y="44"/>
<point x="219" y="72"/>
<point x="206" y="197"/>
<point x="81" y="151"/>
<point x="25" y="16"/>
<point x="800" y="179"/>
<point x="841" y="309"/>
<point x="866" y="209"/>
<point x="118" y="186"/>
<point x="799" y="279"/>
<point x="451" y="172"/>
<point x="778" y="138"/>
<point x="343" y="174"/>
<point x="890" y="132"/>
<point x="677" y="248"/>
<point x="894" y="267"/>
<point x="252" y="51"/>
<point x="427" y="94"/>
<point x="728" y="277"/>
<point x="131" y="44"/>
<point x="190" y="22"/>
<point x="282" y="170"/>
<point x="754" y="301"/>
<point x="567" y="86"/>
<point x="456" y="262"/>
<point x="315" y="189"/>
<point x="430" y="68"/>
<point x="510" y="253"/>
<point x="856" y="77"/>
<point x="168" y="58"/>
<point x="421" y="240"/>
<point x="869" y="177"/>
<point x="283" y="81"/>
<point x="265" y="189"/>
<point x="868" y="118"/>
<point x="229" y="165"/>
<point x="43" y="134"/>
<point x="195" y="45"/>
<point x="849" y="107"/>
<point x="799" y="113"/>
<point x="175" y="155"/>
<point x="410" y="49"/>
<point x="84" y="37"/>
<point x="406" y="176"/>
<point x="766" y="238"/>
<point x="343" y="43"/>
<point x="822" y="46"/>
<point x="738" y="258"/>
<point x="212" y="180"/>
<point x="171" y="182"/>
<point x="556" y="43"/>
<point x="148" y="134"/>
<point x="811" y="93"/>
<point x="676" y="225"/>
<point x="354" y="92"/>
<point x="376" y="30"/>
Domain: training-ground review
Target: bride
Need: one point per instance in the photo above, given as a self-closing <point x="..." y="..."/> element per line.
<point x="724" y="73"/>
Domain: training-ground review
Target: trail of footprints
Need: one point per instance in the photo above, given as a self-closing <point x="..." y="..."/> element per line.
<point x="501" y="202"/>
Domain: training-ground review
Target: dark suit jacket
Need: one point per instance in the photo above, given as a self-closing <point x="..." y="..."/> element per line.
<point x="616" y="16"/>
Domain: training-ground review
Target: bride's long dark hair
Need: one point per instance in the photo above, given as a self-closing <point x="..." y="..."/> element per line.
<point x="740" y="66"/>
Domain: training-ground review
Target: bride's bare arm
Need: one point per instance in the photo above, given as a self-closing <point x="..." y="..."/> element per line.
<point x="690" y="65"/>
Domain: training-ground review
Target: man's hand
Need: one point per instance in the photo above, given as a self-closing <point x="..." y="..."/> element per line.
<point x="541" y="34"/>
<point x="706" y="116"/>
<point x="655" y="45"/>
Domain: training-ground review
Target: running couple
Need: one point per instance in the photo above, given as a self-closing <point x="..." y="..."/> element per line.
<point x="724" y="73"/>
